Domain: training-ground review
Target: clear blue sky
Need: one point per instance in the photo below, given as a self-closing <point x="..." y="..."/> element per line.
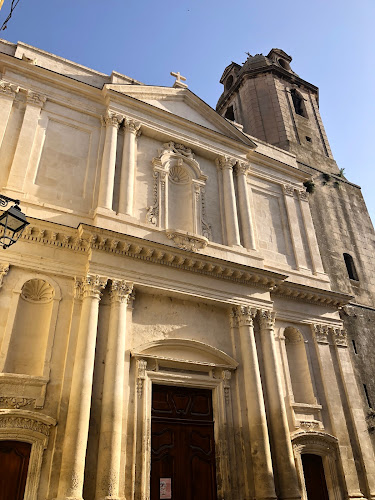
<point x="331" y="42"/>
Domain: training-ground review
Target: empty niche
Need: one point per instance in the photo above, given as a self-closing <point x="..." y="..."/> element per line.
<point x="298" y="364"/>
<point x="29" y="338"/>
<point x="180" y="198"/>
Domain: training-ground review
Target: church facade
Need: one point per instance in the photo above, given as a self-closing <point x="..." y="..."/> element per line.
<point x="177" y="320"/>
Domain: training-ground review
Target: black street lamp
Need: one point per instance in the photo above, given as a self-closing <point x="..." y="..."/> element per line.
<point x="12" y="222"/>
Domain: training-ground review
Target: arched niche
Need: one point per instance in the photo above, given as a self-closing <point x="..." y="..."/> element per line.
<point x="27" y="345"/>
<point x="298" y="365"/>
<point x="179" y="196"/>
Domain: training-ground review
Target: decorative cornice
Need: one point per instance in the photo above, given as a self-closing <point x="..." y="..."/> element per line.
<point x="225" y="162"/>
<point x="120" y="291"/>
<point x="311" y="295"/>
<point x="266" y="319"/>
<point x="35" y="99"/>
<point x="112" y="119"/>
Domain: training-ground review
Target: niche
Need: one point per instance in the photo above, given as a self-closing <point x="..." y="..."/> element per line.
<point x="29" y="338"/>
<point x="298" y="364"/>
<point x="180" y="198"/>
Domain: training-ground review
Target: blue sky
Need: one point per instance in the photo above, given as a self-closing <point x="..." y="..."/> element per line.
<point x="331" y="42"/>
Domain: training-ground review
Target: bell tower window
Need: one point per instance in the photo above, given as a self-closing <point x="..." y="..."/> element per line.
<point x="229" y="114"/>
<point x="298" y="103"/>
<point x="350" y="267"/>
<point x="229" y="82"/>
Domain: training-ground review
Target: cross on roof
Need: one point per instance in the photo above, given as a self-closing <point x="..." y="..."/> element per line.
<point x="179" y="80"/>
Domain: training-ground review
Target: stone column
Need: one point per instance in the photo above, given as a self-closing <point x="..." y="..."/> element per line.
<point x="109" y="453"/>
<point x="310" y="233"/>
<point x="230" y="208"/>
<point x="107" y="176"/>
<point x="77" y="424"/>
<point x="277" y="417"/>
<point x="331" y="385"/>
<point x="127" y="178"/>
<point x="256" y="414"/>
<point x="7" y="95"/>
<point x="244" y="206"/>
<point x="34" y="104"/>
<point x="295" y="230"/>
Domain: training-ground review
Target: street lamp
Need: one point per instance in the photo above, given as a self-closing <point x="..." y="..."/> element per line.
<point x="12" y="222"/>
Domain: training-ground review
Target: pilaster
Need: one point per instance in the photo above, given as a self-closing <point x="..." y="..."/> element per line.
<point x="21" y="159"/>
<point x="225" y="163"/>
<point x="247" y="223"/>
<point x="107" y="176"/>
<point x="115" y="377"/>
<point x="8" y="92"/>
<point x="77" y="425"/>
<point x="128" y="166"/>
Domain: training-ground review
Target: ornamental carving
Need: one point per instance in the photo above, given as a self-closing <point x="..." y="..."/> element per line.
<point x="152" y="215"/>
<point x="178" y="174"/>
<point x="242" y="168"/>
<point x="246" y="315"/>
<point x="141" y="375"/>
<point x="112" y="119"/>
<point x="179" y="149"/>
<point x="132" y="126"/>
<point x="266" y="319"/>
<point x="303" y="195"/>
<point x="120" y="291"/>
<point x="8" y="89"/>
<point x="234" y="317"/>
<point x="4" y="268"/>
<point x="226" y="375"/>
<point x="37" y="290"/>
<point x="188" y="242"/>
<point x="15" y="422"/>
<point x="89" y="286"/>
<point x="17" y="403"/>
<point x="206" y="226"/>
<point x="35" y="98"/>
<point x="288" y="189"/>
<point x="321" y="333"/>
<point x="339" y="336"/>
<point x="225" y="162"/>
<point x="309" y="425"/>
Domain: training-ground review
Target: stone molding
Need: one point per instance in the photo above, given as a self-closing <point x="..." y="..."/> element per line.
<point x="112" y="119"/>
<point x="35" y="99"/>
<point x="311" y="295"/>
<point x="223" y="162"/>
<point x="8" y="89"/>
<point x="120" y="291"/>
<point x="89" y="286"/>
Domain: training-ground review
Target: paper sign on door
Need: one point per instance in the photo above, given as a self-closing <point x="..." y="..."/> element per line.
<point x="165" y="487"/>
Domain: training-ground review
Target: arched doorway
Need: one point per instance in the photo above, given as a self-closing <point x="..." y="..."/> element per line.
<point x="14" y="464"/>
<point x="315" y="481"/>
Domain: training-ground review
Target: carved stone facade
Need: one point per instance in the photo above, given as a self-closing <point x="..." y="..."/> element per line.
<point x="165" y="248"/>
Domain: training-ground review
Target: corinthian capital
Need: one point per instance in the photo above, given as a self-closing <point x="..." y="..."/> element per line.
<point x="242" y="167"/>
<point x="246" y="315"/>
<point x="35" y="99"/>
<point x="132" y="126"/>
<point x="266" y="319"/>
<point x="120" y="291"/>
<point x="321" y="333"/>
<point x="112" y="119"/>
<point x="225" y="162"/>
<point x="339" y="336"/>
<point x="89" y="286"/>
<point x="8" y="89"/>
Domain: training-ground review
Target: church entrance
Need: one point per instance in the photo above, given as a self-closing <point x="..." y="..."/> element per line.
<point x="14" y="462"/>
<point x="182" y="444"/>
<point x="315" y="481"/>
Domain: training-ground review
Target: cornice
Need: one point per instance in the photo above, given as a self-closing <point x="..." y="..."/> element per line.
<point x="311" y="295"/>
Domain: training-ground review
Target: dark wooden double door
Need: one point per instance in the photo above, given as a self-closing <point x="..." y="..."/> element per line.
<point x="14" y="463"/>
<point x="315" y="481"/>
<point x="182" y="444"/>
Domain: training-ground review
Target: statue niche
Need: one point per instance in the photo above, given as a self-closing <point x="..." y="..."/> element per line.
<point x="179" y="204"/>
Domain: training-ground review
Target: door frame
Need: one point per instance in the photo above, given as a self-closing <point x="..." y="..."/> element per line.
<point x="185" y="374"/>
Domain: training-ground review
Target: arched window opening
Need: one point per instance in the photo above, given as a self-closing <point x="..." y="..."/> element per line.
<point x="229" y="82"/>
<point x="298" y="103"/>
<point x="229" y="114"/>
<point x="299" y="369"/>
<point x="350" y="267"/>
<point x="284" y="64"/>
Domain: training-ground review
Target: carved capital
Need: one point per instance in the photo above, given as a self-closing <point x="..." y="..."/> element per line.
<point x="234" y="317"/>
<point x="321" y="333"/>
<point x="288" y="189"/>
<point x="120" y="291"/>
<point x="246" y="315"/>
<point x="266" y="319"/>
<point x="339" y="336"/>
<point x="303" y="195"/>
<point x="132" y="126"/>
<point x="225" y="162"/>
<point x="35" y="99"/>
<point x="89" y="286"/>
<point x="8" y="89"/>
<point x="242" y="168"/>
<point x="112" y="119"/>
<point x="4" y="268"/>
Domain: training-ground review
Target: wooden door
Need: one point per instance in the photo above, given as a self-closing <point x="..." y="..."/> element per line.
<point x="315" y="481"/>
<point x="182" y="444"/>
<point x="14" y="462"/>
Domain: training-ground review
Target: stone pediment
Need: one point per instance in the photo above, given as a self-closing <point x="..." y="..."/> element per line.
<point x="187" y="352"/>
<point x="182" y="103"/>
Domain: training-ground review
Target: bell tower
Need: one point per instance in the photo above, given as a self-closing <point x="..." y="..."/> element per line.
<point x="275" y="105"/>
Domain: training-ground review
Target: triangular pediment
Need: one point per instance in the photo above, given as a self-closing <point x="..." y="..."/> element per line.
<point x="182" y="103"/>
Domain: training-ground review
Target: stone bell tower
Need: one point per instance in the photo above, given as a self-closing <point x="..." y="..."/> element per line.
<point x="275" y="105"/>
